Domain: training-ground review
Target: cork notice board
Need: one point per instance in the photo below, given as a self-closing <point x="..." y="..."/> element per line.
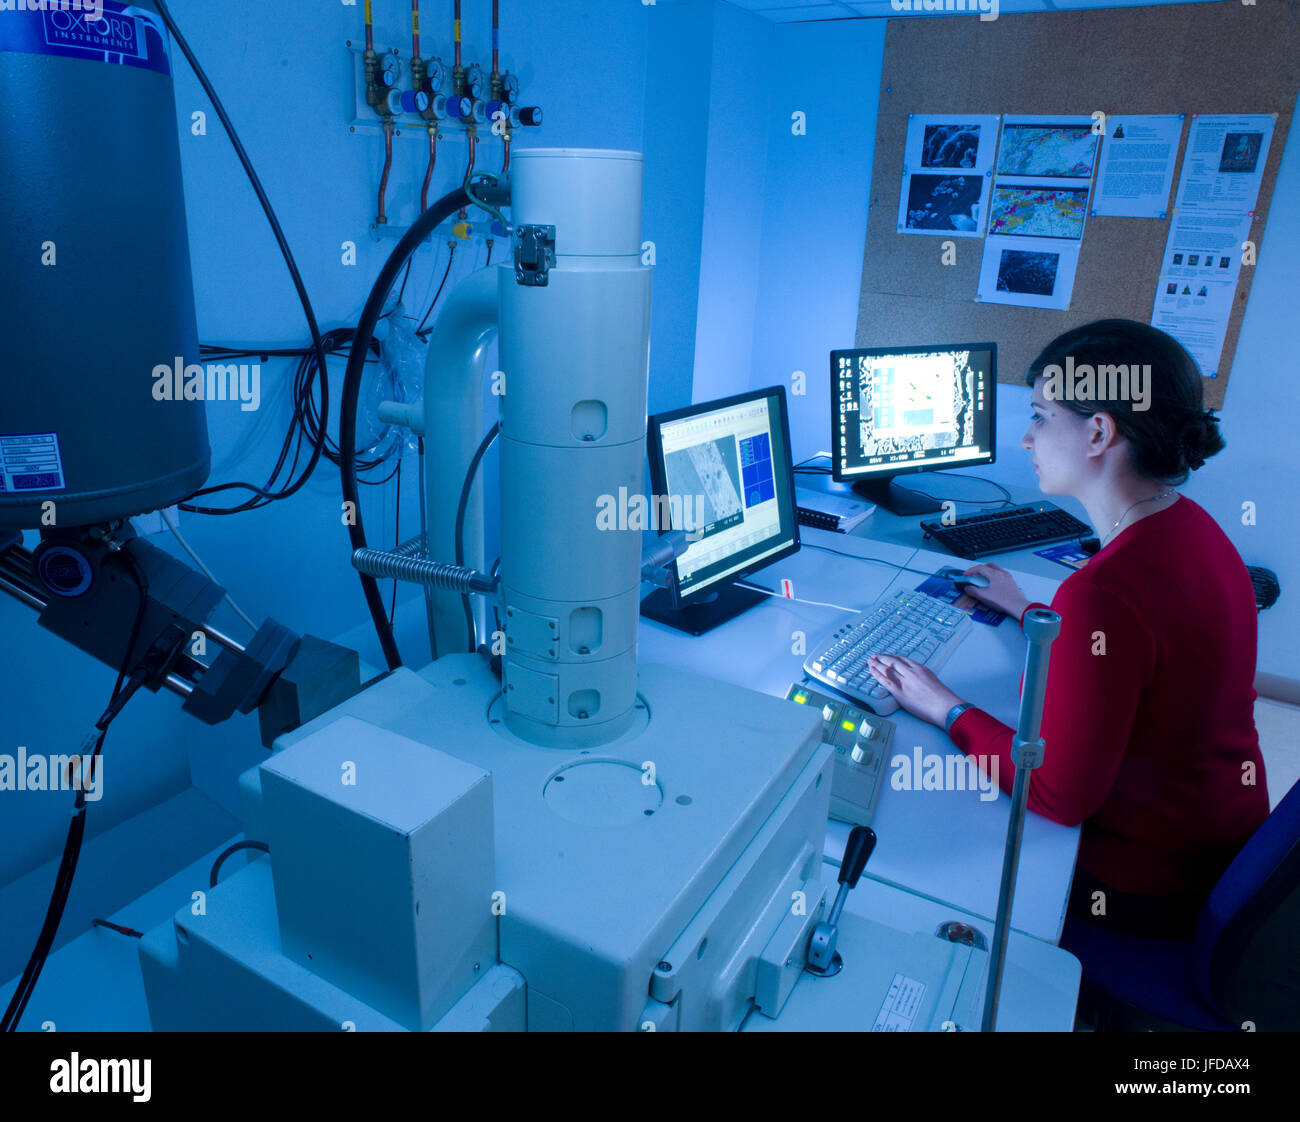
<point x="1224" y="57"/>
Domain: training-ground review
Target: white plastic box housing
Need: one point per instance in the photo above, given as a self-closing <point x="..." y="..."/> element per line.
<point x="404" y="834"/>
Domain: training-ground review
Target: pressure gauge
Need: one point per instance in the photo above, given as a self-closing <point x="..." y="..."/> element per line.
<point x="391" y="71"/>
<point x="474" y="80"/>
<point x="437" y="75"/>
<point x="511" y="86"/>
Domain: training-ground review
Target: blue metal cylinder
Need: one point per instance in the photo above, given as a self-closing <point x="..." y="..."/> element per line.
<point x="98" y="294"/>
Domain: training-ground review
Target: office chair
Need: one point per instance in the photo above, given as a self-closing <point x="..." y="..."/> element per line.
<point x="1239" y="969"/>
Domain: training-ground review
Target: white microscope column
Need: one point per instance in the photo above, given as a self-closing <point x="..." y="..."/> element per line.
<point x="575" y="356"/>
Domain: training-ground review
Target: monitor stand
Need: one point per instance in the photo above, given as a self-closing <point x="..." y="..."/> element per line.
<point x="706" y="613"/>
<point x="896" y="498"/>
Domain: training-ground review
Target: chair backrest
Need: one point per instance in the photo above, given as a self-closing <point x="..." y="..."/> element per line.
<point x="1247" y="942"/>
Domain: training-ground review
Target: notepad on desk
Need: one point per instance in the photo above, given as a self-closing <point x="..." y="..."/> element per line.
<point x="830" y="512"/>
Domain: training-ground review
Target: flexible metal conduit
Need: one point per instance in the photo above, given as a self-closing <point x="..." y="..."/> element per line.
<point x="393" y="566"/>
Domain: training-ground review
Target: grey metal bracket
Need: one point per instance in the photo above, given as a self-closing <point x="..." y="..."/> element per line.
<point x="534" y="255"/>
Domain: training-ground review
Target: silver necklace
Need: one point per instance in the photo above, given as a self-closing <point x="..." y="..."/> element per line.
<point x="1152" y="499"/>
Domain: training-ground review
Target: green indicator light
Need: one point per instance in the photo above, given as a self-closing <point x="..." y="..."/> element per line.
<point x="848" y="725"/>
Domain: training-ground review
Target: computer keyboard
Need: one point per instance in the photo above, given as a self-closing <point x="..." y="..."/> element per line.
<point x="1004" y="531"/>
<point x="912" y="624"/>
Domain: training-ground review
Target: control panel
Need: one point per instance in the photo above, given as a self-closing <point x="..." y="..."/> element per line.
<point x="861" y="741"/>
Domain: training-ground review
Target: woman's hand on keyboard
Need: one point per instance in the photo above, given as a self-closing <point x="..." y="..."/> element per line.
<point x="1002" y="593"/>
<point x="915" y="687"/>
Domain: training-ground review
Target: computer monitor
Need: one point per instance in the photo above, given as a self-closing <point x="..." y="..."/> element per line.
<point x="722" y="469"/>
<point x="896" y="410"/>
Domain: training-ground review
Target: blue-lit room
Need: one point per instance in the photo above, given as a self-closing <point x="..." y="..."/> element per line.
<point x="649" y="515"/>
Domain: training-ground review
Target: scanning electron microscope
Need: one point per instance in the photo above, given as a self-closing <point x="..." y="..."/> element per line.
<point x="585" y="843"/>
<point x="581" y="843"/>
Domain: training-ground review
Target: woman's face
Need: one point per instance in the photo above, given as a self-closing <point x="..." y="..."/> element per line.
<point x="1057" y="441"/>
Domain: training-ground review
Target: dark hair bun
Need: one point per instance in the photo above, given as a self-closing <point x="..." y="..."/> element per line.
<point x="1199" y="439"/>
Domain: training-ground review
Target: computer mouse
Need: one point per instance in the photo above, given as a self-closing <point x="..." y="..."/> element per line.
<point x="956" y="577"/>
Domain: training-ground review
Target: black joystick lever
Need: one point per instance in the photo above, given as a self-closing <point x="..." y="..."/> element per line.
<point x="823" y="959"/>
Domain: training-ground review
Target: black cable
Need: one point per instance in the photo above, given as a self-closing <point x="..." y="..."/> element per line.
<point x="77" y="827"/>
<point x="230" y="851"/>
<point x="1266" y="586"/>
<point x="289" y="261"/>
<point x="414" y="237"/>
<point x="856" y="557"/>
<point x="336" y="342"/>
<point x="397" y="540"/>
<point x="402" y="291"/>
<point x="422" y="331"/>
<point x="53" y="914"/>
<point x="130" y="931"/>
<point x="1006" y="500"/>
<point x="496" y="615"/>
<point x="461" y="508"/>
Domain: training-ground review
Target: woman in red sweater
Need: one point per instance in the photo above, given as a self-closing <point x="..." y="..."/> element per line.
<point x="1148" y="720"/>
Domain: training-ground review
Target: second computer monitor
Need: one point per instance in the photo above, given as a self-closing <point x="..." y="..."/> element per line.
<point x="896" y="410"/>
<point x="724" y="470"/>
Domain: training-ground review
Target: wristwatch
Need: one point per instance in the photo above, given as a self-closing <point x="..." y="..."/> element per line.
<point x="955" y="712"/>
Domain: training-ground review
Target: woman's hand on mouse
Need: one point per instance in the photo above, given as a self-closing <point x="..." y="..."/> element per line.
<point x="1002" y="593"/>
<point x="915" y="687"/>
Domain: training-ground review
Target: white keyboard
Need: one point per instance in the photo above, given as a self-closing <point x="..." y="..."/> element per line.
<point x="912" y="624"/>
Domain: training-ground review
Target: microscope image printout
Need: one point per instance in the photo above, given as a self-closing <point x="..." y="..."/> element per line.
<point x="1029" y="211"/>
<point x="947" y="162"/>
<point x="1048" y="147"/>
<point x="1037" y="211"/>
<point x="1029" y="272"/>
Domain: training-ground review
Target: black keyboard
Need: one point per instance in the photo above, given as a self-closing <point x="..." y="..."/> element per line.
<point x="1005" y="531"/>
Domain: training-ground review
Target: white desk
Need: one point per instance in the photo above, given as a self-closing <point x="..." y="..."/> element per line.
<point x="945" y="845"/>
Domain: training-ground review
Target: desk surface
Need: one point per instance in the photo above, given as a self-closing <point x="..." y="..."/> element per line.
<point x="945" y="845"/>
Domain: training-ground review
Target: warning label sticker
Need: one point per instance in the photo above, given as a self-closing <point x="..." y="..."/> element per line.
<point x="31" y="462"/>
<point x="901" y="1005"/>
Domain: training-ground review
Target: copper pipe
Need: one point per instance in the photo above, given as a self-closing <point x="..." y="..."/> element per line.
<point x="457" y="30"/>
<point x="381" y="218"/>
<point x="472" y="136"/>
<point x="496" y="36"/>
<point x="428" y="174"/>
<point x="506" y="166"/>
<point x="415" y="28"/>
<point x="370" y="29"/>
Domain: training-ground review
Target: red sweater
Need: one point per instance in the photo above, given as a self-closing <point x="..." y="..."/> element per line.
<point x="1145" y="744"/>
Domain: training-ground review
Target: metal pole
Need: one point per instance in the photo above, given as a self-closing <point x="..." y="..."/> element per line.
<point x="1041" y="627"/>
